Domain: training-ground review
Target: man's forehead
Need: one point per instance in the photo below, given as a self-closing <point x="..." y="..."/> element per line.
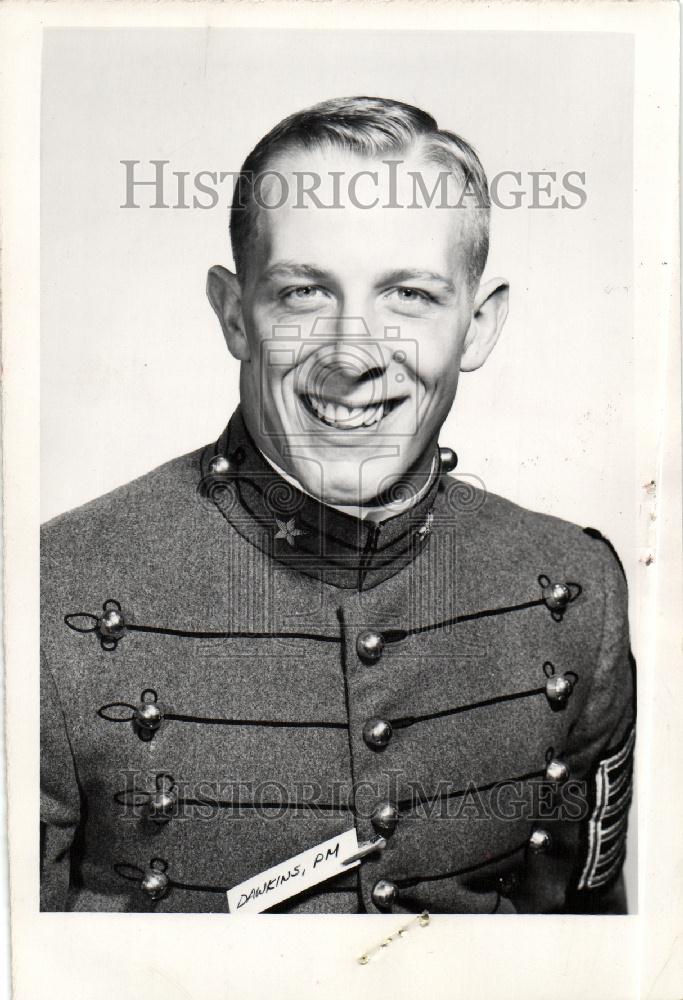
<point x="319" y="207"/>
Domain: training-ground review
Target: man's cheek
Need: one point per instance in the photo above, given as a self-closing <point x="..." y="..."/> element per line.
<point x="434" y="373"/>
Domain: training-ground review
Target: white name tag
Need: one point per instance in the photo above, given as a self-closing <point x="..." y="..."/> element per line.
<point x="291" y="877"/>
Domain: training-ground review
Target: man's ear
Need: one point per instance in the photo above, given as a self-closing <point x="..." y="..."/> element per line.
<point x="225" y="296"/>
<point x="488" y="315"/>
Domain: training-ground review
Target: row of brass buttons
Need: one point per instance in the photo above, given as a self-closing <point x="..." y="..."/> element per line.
<point x="155" y="881"/>
<point x="376" y="732"/>
<point x="385" y="892"/>
<point x="384" y="818"/>
<point x="370" y="642"/>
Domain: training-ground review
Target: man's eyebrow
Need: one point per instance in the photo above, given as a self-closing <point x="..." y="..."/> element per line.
<point x="294" y="269"/>
<point x="408" y="274"/>
<point x="300" y="269"/>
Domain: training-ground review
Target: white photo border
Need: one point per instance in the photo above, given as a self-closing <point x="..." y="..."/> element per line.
<point x="124" y="955"/>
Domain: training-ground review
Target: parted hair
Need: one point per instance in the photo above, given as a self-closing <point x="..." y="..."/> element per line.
<point x="372" y="127"/>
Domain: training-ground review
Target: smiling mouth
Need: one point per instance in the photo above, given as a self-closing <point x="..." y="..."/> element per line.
<point x="348" y="418"/>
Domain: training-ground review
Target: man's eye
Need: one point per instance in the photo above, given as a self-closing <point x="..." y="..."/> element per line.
<point x="303" y="293"/>
<point x="411" y="296"/>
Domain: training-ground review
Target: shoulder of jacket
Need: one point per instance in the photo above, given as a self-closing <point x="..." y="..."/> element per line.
<point x="508" y="526"/>
<point x="161" y="493"/>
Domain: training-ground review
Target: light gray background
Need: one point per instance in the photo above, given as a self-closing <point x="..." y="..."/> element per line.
<point x="133" y="366"/>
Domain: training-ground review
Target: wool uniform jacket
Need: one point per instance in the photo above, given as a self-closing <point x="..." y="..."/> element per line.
<point x="233" y="673"/>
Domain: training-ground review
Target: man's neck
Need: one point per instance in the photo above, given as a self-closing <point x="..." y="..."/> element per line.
<point x="415" y="486"/>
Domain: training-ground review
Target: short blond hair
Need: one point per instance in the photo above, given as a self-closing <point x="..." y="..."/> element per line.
<point x="372" y="127"/>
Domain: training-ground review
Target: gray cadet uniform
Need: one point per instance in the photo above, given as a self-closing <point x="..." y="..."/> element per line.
<point x="234" y="673"/>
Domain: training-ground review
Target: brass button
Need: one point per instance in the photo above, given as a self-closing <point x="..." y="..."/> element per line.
<point x="112" y="624"/>
<point x="164" y="800"/>
<point x="148" y="716"/>
<point x="557" y="771"/>
<point x="384" y="894"/>
<point x="556" y="596"/>
<point x="539" y="841"/>
<point x="558" y="689"/>
<point x="155" y="883"/>
<point x="385" y="818"/>
<point x="370" y="645"/>
<point x="219" y="466"/>
<point x="377" y="733"/>
<point x="448" y="458"/>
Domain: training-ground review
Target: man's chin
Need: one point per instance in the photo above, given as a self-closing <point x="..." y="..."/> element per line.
<point x="343" y="484"/>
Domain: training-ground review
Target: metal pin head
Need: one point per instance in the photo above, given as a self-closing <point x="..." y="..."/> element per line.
<point x="376" y="843"/>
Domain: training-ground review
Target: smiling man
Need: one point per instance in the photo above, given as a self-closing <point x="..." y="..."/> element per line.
<point x="378" y="328"/>
<point x="304" y="668"/>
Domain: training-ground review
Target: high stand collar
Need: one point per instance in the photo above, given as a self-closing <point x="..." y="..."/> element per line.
<point x="301" y="531"/>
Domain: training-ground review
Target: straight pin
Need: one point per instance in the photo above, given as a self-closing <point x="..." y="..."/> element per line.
<point x="422" y="920"/>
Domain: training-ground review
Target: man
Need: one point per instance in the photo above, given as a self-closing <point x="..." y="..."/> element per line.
<point x="309" y="634"/>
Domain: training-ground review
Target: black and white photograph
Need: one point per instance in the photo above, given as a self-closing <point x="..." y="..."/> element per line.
<point x="351" y="493"/>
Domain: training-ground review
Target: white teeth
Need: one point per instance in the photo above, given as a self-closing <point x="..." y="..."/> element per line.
<point x="355" y="418"/>
<point x="348" y="417"/>
<point x="372" y="416"/>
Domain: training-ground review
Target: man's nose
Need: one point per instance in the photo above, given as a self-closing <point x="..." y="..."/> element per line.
<point x="348" y="352"/>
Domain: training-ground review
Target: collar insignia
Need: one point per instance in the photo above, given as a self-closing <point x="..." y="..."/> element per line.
<point x="288" y="531"/>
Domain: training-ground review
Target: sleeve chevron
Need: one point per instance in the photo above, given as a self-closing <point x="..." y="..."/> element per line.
<point x="608" y="822"/>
